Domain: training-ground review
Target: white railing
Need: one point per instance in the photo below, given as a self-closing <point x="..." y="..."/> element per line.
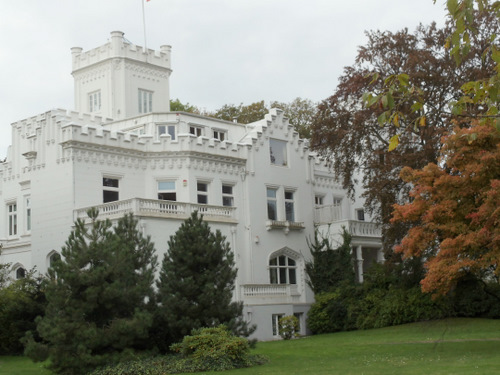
<point x="327" y="214"/>
<point x="158" y="208"/>
<point x="277" y="293"/>
<point x="332" y="216"/>
<point x="363" y="228"/>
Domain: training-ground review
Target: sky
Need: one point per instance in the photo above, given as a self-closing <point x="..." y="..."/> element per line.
<point x="223" y="51"/>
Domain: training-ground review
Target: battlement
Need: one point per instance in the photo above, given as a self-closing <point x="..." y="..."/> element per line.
<point x="119" y="47"/>
<point x="95" y="137"/>
<point x="60" y="115"/>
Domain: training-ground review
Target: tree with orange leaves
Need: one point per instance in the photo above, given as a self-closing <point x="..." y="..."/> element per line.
<point x="455" y="210"/>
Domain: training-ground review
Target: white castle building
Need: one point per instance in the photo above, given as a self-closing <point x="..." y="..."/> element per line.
<point x="123" y="151"/>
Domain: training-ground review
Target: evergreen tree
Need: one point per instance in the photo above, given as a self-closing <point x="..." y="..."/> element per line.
<point x="98" y="297"/>
<point x="330" y="268"/>
<point x="196" y="283"/>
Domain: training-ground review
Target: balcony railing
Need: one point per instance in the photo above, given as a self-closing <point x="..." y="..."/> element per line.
<point x="275" y="293"/>
<point x="159" y="208"/>
<point x="332" y="216"/>
<point x="327" y="214"/>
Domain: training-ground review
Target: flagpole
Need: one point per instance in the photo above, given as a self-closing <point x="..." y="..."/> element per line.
<point x="144" y="25"/>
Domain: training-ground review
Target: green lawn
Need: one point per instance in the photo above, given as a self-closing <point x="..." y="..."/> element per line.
<point x="452" y="346"/>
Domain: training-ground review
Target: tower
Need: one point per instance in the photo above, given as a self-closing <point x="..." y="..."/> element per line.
<point x="120" y="80"/>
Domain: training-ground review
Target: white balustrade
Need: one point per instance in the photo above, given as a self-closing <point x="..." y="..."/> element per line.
<point x="158" y="208"/>
<point x="327" y="214"/>
<point x="277" y="293"/>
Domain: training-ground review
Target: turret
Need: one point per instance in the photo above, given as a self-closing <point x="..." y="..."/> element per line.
<point x="120" y="80"/>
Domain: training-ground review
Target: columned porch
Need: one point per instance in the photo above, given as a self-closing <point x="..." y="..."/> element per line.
<point x="366" y="241"/>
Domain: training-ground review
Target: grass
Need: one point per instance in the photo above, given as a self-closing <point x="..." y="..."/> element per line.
<point x="21" y="366"/>
<point x="451" y="346"/>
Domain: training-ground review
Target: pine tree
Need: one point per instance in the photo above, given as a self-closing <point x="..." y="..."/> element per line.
<point x="98" y="297"/>
<point x="196" y="283"/>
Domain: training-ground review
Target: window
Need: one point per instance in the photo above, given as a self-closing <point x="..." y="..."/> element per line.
<point x="167" y="129"/>
<point x="12" y="212"/>
<point x="289" y="206"/>
<point x="220" y="135"/>
<point x="272" y="207"/>
<point x="299" y="317"/>
<point x="166" y="191"/>
<point x="282" y="270"/>
<point x="277" y="150"/>
<point x="202" y="188"/>
<point x="54" y="258"/>
<point x="20" y="273"/>
<point x="145" y="101"/>
<point x="318" y="200"/>
<point x="95" y="101"/>
<point x="28" y="214"/>
<point x="195" y="130"/>
<point x="337" y="202"/>
<point x="227" y="196"/>
<point x="275" y="323"/>
<point x="360" y="214"/>
<point x="110" y="191"/>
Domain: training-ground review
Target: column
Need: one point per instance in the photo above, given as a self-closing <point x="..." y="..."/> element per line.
<point x="380" y="256"/>
<point x="359" y="262"/>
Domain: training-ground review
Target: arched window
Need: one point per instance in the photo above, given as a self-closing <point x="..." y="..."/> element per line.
<point x="54" y="257"/>
<point x="282" y="270"/>
<point x="20" y="273"/>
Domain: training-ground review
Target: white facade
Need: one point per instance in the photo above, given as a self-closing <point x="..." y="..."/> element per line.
<point x="123" y="151"/>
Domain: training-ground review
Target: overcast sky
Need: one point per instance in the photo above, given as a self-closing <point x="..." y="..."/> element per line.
<point x="223" y="51"/>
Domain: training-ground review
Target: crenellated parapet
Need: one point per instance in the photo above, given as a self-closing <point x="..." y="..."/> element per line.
<point x="119" y="47"/>
<point x="112" y="141"/>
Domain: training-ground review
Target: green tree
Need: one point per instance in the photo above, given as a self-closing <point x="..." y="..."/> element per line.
<point x="196" y="283"/>
<point x="177" y="106"/>
<point x="20" y="303"/>
<point x="330" y="268"/>
<point x="244" y="114"/>
<point x="97" y="296"/>
<point x="300" y="113"/>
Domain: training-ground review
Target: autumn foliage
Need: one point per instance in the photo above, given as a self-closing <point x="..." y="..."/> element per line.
<point x="454" y="210"/>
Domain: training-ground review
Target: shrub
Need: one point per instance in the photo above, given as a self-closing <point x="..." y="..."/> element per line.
<point x="475" y="298"/>
<point x="214" y="348"/>
<point x="207" y="349"/>
<point x="393" y="306"/>
<point x="288" y="327"/>
<point x="322" y="318"/>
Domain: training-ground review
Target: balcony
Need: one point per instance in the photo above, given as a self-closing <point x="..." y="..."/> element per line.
<point x="254" y="294"/>
<point x="159" y="209"/>
<point x="332" y="216"/>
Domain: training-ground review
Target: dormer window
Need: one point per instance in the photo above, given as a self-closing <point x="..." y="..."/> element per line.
<point x="220" y="135"/>
<point x="95" y="101"/>
<point x="167" y="129"/>
<point x="195" y="130"/>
